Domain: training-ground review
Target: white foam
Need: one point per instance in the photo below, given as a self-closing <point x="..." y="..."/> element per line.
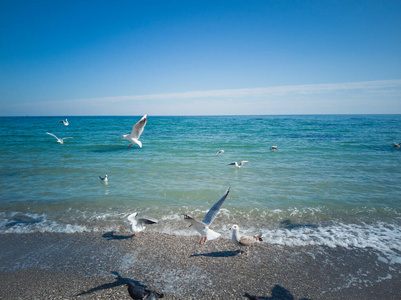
<point x="382" y="237"/>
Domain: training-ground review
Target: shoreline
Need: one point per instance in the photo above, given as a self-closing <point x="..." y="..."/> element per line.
<point x="85" y="266"/>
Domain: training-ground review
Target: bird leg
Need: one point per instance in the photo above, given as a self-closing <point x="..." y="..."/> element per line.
<point x="130" y="145"/>
<point x="135" y="234"/>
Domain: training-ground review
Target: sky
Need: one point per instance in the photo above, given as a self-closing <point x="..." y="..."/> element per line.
<point x="253" y="57"/>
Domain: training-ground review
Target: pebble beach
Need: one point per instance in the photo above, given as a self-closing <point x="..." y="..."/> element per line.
<point x="98" y="266"/>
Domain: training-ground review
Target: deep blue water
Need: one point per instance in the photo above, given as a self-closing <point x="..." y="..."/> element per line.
<point x="335" y="180"/>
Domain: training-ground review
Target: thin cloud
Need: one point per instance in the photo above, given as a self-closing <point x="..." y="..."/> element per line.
<point x="262" y="92"/>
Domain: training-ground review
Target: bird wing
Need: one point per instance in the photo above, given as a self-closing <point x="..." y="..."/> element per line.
<point x="193" y="221"/>
<point x="131" y="217"/>
<point x="233" y="163"/>
<point x="212" y="213"/>
<point x="246" y="240"/>
<point x="67" y="138"/>
<point x="51" y="134"/>
<point x="138" y="127"/>
<point x="147" y="221"/>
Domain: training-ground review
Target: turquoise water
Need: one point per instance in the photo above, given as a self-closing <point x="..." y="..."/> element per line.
<point x="335" y="179"/>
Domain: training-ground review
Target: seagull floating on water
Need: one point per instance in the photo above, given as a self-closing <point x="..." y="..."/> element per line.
<point x="240" y="164"/>
<point x="65" y="122"/>
<point x="397" y="145"/>
<point x="105" y="178"/>
<point x="203" y="227"/>
<point x="61" y="141"/>
<point x="138" y="292"/>
<point x="243" y="240"/>
<point x="138" y="225"/>
<point x="136" y="132"/>
<point x="273" y="148"/>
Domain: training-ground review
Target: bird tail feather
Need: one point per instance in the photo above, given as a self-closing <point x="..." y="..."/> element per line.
<point x="212" y="235"/>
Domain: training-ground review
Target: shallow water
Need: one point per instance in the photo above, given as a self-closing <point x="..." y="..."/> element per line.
<point x="334" y="180"/>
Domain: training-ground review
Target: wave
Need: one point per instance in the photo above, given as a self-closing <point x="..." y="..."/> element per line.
<point x="383" y="237"/>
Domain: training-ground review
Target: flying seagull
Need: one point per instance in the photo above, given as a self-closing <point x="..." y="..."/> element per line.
<point x="105" y="178"/>
<point x="240" y="164"/>
<point x="138" y="292"/>
<point x="136" y="132"/>
<point x="138" y="225"/>
<point x="273" y="148"/>
<point x="243" y="240"/>
<point x="64" y="122"/>
<point x="203" y="227"/>
<point x="397" y="145"/>
<point x="61" y="141"/>
<point x="221" y="151"/>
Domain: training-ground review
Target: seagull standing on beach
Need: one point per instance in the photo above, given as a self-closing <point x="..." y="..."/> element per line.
<point x="138" y="292"/>
<point x="65" y="122"/>
<point x="203" y="227"/>
<point x="243" y="240"/>
<point x="136" y="132"/>
<point x="61" y="141"/>
<point x="240" y="164"/>
<point x="138" y="225"/>
<point x="105" y="178"/>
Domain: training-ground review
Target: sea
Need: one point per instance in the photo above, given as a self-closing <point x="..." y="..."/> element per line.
<point x="334" y="181"/>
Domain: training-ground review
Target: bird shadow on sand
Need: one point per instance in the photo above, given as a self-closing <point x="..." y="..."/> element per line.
<point x="278" y="293"/>
<point x="118" y="281"/>
<point x="111" y="236"/>
<point x="217" y="254"/>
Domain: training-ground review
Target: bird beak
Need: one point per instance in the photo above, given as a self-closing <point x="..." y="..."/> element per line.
<point x="190" y="225"/>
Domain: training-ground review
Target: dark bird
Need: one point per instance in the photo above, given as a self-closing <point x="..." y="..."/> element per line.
<point x="138" y="292"/>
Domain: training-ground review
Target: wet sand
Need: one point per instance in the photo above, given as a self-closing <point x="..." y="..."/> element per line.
<point x="98" y="265"/>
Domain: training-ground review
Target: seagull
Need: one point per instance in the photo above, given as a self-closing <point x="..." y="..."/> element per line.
<point x="240" y="164"/>
<point x="138" y="292"/>
<point x="136" y="132"/>
<point x="221" y="151"/>
<point x="244" y="240"/>
<point x="65" y="122"/>
<point x="273" y="148"/>
<point x="397" y="145"/>
<point x="203" y="227"/>
<point x="105" y="178"/>
<point x="138" y="225"/>
<point x="61" y="141"/>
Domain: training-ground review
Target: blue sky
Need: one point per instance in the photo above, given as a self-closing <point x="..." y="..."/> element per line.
<point x="199" y="57"/>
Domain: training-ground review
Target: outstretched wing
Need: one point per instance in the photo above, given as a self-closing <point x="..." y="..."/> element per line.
<point x="51" y="134"/>
<point x="67" y="138"/>
<point x="212" y="213"/>
<point x="131" y="217"/>
<point x="138" y="127"/>
<point x="147" y="221"/>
